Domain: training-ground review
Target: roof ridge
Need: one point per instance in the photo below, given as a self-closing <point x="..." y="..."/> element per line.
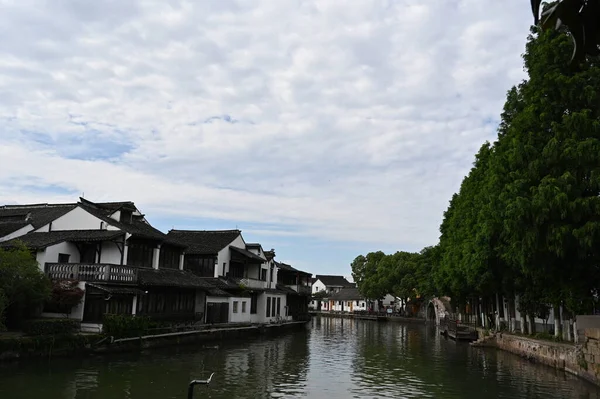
<point x="206" y="231"/>
<point x="40" y="205"/>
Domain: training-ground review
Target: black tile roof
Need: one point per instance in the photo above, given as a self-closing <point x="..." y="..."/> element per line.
<point x="286" y="290"/>
<point x="14" y="217"/>
<point x="138" y="227"/>
<point x="347" y="294"/>
<point x="203" y="242"/>
<point x="116" y="289"/>
<point x="250" y="255"/>
<point x="334" y="281"/>
<point x="285" y="266"/>
<point x="171" y="278"/>
<point x="45" y="239"/>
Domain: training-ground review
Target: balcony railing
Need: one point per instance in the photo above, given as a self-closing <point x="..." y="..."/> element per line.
<point x="91" y="272"/>
<point x="252" y="283"/>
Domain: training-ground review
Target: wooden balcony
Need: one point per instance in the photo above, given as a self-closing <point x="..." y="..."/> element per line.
<point x="91" y="272"/>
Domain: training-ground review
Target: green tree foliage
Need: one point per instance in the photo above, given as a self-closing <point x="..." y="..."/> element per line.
<point x="526" y="220"/>
<point x="527" y="217"/>
<point x="22" y="285"/>
<point x="402" y="274"/>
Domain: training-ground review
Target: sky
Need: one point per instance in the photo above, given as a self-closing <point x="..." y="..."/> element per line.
<point x="323" y="129"/>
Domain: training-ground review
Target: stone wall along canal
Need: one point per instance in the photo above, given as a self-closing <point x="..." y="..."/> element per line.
<point x="332" y="358"/>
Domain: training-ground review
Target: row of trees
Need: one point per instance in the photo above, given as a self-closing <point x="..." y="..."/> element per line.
<point x="403" y="274"/>
<point x="526" y="220"/>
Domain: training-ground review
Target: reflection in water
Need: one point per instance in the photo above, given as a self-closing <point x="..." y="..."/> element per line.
<point x="335" y="358"/>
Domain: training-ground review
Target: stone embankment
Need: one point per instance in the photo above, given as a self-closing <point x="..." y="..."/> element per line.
<point x="367" y="316"/>
<point x="22" y="347"/>
<point x="582" y="359"/>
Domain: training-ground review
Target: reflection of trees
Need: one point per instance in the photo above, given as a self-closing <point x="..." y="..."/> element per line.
<point x="397" y="360"/>
<point x="244" y="369"/>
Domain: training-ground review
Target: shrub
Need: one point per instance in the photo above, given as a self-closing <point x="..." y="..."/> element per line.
<point x="50" y="326"/>
<point x="125" y="326"/>
<point x="66" y="294"/>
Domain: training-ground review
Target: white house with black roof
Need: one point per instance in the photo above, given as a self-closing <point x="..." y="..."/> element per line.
<point x="326" y="285"/>
<point x="123" y="264"/>
<point x="243" y="270"/>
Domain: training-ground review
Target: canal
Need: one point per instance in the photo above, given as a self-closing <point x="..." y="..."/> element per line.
<point x="332" y="358"/>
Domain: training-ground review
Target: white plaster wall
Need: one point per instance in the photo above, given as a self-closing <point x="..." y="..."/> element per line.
<point x="51" y="253"/>
<point x="110" y="253"/>
<point x="116" y="215"/>
<point x="239" y="317"/>
<point x="224" y="256"/>
<point x="76" y="219"/>
<point x="318" y="286"/>
<point x="262" y="307"/>
<point x="22" y="231"/>
<point x="362" y="305"/>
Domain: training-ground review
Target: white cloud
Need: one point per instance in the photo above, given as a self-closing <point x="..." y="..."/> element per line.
<point x="353" y="120"/>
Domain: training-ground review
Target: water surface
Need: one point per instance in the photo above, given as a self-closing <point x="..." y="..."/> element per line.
<point x="332" y="358"/>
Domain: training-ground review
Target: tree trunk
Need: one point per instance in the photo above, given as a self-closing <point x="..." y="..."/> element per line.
<point x="497" y="312"/>
<point x="531" y="324"/>
<point x="555" y="314"/>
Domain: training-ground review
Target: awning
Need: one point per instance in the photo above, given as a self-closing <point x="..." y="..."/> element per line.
<point x="247" y="254"/>
<point x="116" y="289"/>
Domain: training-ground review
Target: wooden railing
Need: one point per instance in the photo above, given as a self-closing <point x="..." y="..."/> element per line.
<point x="91" y="272"/>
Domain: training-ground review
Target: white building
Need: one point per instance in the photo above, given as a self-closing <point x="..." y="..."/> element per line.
<point x="326" y="285"/>
<point x="123" y="264"/>
<point x="247" y="273"/>
<point x="126" y="266"/>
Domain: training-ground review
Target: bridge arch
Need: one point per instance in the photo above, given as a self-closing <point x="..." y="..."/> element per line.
<point x="437" y="309"/>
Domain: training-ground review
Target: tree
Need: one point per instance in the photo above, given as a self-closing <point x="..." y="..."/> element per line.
<point x="22" y="283"/>
<point x="65" y="295"/>
<point x="527" y="217"/>
<point x="366" y="273"/>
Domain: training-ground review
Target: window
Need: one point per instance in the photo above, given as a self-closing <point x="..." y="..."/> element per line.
<point x="235" y="306"/>
<point x="263" y="274"/>
<point x="202" y="266"/>
<point x="63" y="258"/>
<point x="268" y="306"/>
<point x="169" y="258"/>
<point x="278" y="305"/>
<point x="125" y="216"/>
<point x="236" y="270"/>
<point x="271" y="274"/>
<point x="88" y="253"/>
<point x="273" y="307"/>
<point x="244" y="307"/>
<point x="253" y="303"/>
<point x="139" y="253"/>
<point x="356" y="303"/>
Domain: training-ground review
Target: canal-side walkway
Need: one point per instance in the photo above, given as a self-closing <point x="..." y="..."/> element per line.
<point x="383" y="317"/>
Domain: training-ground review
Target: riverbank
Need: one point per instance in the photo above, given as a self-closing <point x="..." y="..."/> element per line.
<point x="359" y="316"/>
<point x="24" y="347"/>
<point x="582" y="360"/>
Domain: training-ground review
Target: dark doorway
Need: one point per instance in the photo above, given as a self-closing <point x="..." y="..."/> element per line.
<point x="217" y="312"/>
